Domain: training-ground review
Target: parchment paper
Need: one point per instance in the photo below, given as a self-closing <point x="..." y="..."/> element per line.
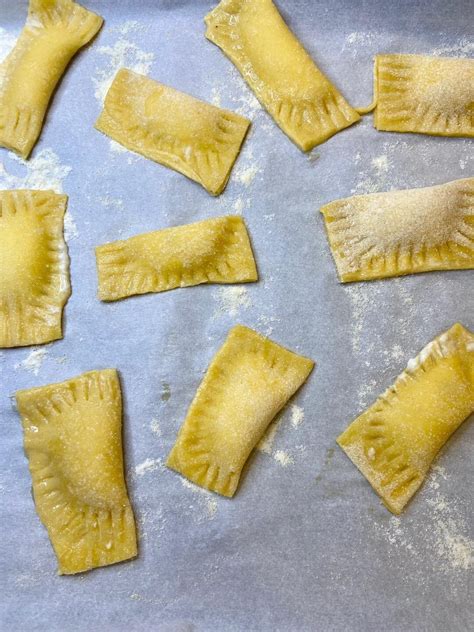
<point x="305" y="544"/>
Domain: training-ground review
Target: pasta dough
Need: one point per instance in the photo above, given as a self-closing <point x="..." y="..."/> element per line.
<point x="427" y="95"/>
<point x="54" y="31"/>
<point x="34" y="267"/>
<point x="212" y="251"/>
<point x="249" y="380"/>
<point x="402" y="232"/>
<point x="394" y="442"/>
<point x="302" y="101"/>
<point x="73" y="441"/>
<point x="195" y="138"/>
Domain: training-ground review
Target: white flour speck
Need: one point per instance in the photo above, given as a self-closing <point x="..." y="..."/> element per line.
<point x="148" y="465"/>
<point x="246" y="175"/>
<point x="283" y="458"/>
<point x="297" y="415"/>
<point x="232" y="299"/>
<point x="33" y="361"/>
<point x="155" y="427"/>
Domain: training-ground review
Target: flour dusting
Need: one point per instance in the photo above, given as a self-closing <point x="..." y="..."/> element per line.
<point x="33" y="362"/>
<point x="440" y="537"/>
<point x="43" y="171"/>
<point x="232" y="299"/>
<point x="297" y="415"/>
<point x="208" y="500"/>
<point x="266" y="442"/>
<point x="155" y="427"/>
<point x="148" y="465"/>
<point x="7" y="42"/>
<point x="122" y="54"/>
<point x="283" y="458"/>
<point x="463" y="48"/>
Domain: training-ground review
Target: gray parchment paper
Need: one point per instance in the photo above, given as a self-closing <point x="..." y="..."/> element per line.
<point x="305" y="544"/>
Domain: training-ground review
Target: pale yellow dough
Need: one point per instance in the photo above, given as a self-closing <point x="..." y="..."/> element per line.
<point x="302" y="101"/>
<point x="73" y="441"/>
<point x="402" y="232"/>
<point x="195" y="138"/>
<point x="426" y="95"/>
<point x="34" y="267"/>
<point x="395" y="441"/>
<point x="54" y="31"/>
<point x="215" y="250"/>
<point x="249" y="380"/>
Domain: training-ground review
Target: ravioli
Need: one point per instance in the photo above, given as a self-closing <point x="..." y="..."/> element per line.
<point x="215" y="250"/>
<point x="173" y="128"/>
<point x="34" y="267"/>
<point x="402" y="232"/>
<point x="395" y="441"/>
<point x="249" y="380"/>
<point x="426" y="95"/>
<point x="54" y="31"/>
<point x="284" y="78"/>
<point x="73" y="441"/>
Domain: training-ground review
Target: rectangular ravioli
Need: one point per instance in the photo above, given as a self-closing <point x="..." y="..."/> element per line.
<point x="54" y="31"/>
<point x="249" y="380"/>
<point x="426" y="95"/>
<point x="195" y="138"/>
<point x="215" y="250"/>
<point x="395" y="441"/>
<point x="402" y="232"/>
<point x="284" y="78"/>
<point x="34" y="267"/>
<point x="73" y="440"/>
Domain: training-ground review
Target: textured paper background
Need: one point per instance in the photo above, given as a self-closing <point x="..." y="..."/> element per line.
<point x="305" y="543"/>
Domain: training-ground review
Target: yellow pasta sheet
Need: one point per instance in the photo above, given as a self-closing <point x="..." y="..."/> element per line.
<point x="195" y="138"/>
<point x="426" y="95"/>
<point x="395" y="441"/>
<point x="54" y="31"/>
<point x="34" y="267"/>
<point x="300" y="98"/>
<point x="73" y="441"/>
<point x="402" y="232"/>
<point x="249" y="380"/>
<point x="216" y="250"/>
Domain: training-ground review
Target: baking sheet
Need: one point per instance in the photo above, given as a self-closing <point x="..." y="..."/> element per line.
<point x="305" y="544"/>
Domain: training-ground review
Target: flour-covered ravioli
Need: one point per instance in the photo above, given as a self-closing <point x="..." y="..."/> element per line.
<point x="195" y="138"/>
<point x="54" y="31"/>
<point x="215" y="250"/>
<point x="427" y="95"/>
<point x="395" y="441"/>
<point x="300" y="98"/>
<point x="249" y="380"/>
<point x="402" y="232"/>
<point x="34" y="267"/>
<point x="73" y="441"/>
